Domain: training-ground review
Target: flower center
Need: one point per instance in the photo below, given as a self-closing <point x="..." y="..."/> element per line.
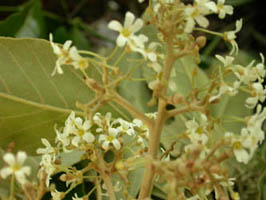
<point x="110" y="138"/>
<point x="16" y="167"/>
<point x="220" y="6"/>
<point x="82" y="63"/>
<point x="81" y="132"/>
<point x="125" y="32"/>
<point x="200" y="130"/>
<point x="237" y="145"/>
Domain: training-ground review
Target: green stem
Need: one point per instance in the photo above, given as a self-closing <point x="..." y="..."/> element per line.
<point x="12" y="187"/>
<point x="209" y="32"/>
<point x="128" y="106"/>
<point x="91" y="54"/>
<point x="119" y="58"/>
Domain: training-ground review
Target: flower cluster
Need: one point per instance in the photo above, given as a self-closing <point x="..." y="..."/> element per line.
<point x="196" y="13"/>
<point x="102" y="133"/>
<point x="245" y="144"/>
<point x="137" y="43"/>
<point x="67" y="55"/>
<point x="251" y="77"/>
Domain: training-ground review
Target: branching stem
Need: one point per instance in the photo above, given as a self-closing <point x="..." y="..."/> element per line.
<point x="155" y="132"/>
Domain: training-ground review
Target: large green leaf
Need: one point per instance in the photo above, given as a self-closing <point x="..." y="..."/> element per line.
<point x="137" y="92"/>
<point x="189" y="76"/>
<point x="31" y="100"/>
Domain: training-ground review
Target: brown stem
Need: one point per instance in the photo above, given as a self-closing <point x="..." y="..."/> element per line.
<point x="106" y="176"/>
<point x="155" y="132"/>
<point x="124" y="103"/>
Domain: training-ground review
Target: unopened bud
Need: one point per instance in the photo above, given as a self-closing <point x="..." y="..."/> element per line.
<point x="201" y="41"/>
<point x="63" y="177"/>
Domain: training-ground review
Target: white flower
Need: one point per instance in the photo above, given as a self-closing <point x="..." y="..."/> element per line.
<point x="48" y="148"/>
<point x="230" y="36"/>
<point x="194" y="15"/>
<point x="125" y="127"/>
<point x="245" y="74"/>
<point x="77" y="60"/>
<point x="142" y="128"/>
<point x="140" y="1"/>
<point x="254" y="123"/>
<point x="61" y="53"/>
<point x="250" y="73"/>
<point x="150" y="51"/>
<point x="82" y="132"/>
<point x="197" y="132"/>
<point x="63" y="139"/>
<point x="243" y="145"/>
<point x="110" y="138"/>
<point x="223" y="9"/>
<point x="136" y="43"/>
<point x="47" y="164"/>
<point x="127" y="31"/>
<point x="152" y="115"/>
<point x="227" y="61"/>
<point x="260" y="69"/>
<point x="15" y="167"/>
<point x="226" y="89"/>
<point x="102" y="121"/>
<point x="258" y="94"/>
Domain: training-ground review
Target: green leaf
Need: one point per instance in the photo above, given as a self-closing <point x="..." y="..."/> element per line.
<point x="28" y="22"/>
<point x="135" y="91"/>
<point x="31" y="100"/>
<point x="172" y="132"/>
<point x="231" y="107"/>
<point x="185" y="80"/>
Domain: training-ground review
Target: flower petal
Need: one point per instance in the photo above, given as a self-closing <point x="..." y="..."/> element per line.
<point x="115" y="25"/>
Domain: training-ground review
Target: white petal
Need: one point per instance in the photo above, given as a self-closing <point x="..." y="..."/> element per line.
<point x="121" y="41"/>
<point x="116" y="144"/>
<point x="9" y="158"/>
<point x="88" y="137"/>
<point x="115" y="25"/>
<point x="102" y="138"/>
<point x="5" y="172"/>
<point x="129" y="20"/>
<point x="26" y="170"/>
<point x="136" y="26"/>
<point x="202" y="21"/>
<point x="67" y="44"/>
<point x="75" y="141"/>
<point x="87" y="124"/>
<point x="105" y="145"/>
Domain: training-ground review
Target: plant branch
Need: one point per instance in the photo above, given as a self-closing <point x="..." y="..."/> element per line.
<point x="155" y="132"/>
<point x="107" y="177"/>
<point x="128" y="106"/>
